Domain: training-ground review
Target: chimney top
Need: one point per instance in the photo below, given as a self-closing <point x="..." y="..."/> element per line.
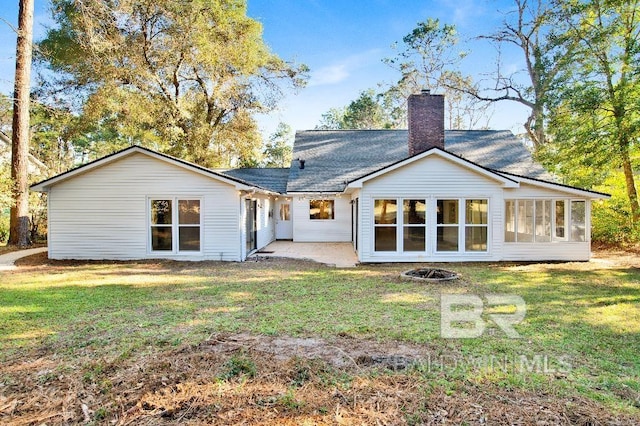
<point x="426" y="122"/>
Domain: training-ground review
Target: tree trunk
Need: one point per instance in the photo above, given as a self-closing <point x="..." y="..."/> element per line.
<point x="535" y="125"/>
<point x="19" y="221"/>
<point x="632" y="192"/>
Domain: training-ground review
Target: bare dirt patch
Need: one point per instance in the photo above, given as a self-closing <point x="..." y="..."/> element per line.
<point x="251" y="379"/>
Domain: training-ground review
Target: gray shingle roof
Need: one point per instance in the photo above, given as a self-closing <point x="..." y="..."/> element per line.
<point x="273" y="179"/>
<point x="334" y="157"/>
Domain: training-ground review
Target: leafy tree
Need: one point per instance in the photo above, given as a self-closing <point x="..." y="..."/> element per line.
<point x="184" y="77"/>
<point x="278" y="150"/>
<point x="332" y="119"/>
<point x="366" y="112"/>
<point x="538" y="29"/>
<point x="595" y="120"/>
<point x="429" y="59"/>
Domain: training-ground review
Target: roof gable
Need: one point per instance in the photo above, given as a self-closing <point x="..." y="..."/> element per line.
<point x="437" y="152"/>
<point x="44" y="185"/>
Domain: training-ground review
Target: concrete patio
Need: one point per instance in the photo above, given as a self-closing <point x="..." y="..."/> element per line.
<point x="340" y="255"/>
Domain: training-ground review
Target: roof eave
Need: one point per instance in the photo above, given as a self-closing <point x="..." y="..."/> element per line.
<point x="560" y="187"/>
<point x="45" y="185"/>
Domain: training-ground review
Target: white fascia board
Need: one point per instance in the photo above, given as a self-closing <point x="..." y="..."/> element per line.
<point x="563" y="188"/>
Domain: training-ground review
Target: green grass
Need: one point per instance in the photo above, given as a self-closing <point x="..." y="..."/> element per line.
<point x="581" y="331"/>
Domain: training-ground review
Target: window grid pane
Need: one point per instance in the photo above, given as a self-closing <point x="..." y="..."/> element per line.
<point x="385" y="238"/>
<point x="447" y="238"/>
<point x="510" y="221"/>
<point x="414" y="238"/>
<point x="525" y="220"/>
<point x="560" y="219"/>
<point x="447" y="212"/>
<point x="161" y="238"/>
<point x="189" y="212"/>
<point x="578" y="222"/>
<point x="414" y="212"/>
<point x="476" y="212"/>
<point x="385" y="212"/>
<point x="161" y="212"/>
<point x="189" y="238"/>
<point x="476" y="238"/>
<point x="543" y="221"/>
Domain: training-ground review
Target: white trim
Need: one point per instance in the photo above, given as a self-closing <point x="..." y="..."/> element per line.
<point x="333" y="209"/>
<point x="505" y="181"/>
<point x="175" y="226"/>
<point x="559" y="187"/>
<point x="568" y="222"/>
<point x="431" y="228"/>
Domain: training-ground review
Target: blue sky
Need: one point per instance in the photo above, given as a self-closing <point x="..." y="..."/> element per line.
<point x="342" y="41"/>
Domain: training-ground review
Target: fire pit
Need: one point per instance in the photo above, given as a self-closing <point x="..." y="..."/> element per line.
<point x="430" y="275"/>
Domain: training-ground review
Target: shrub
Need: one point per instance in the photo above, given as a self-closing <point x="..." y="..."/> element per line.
<point x="611" y="219"/>
<point x="4" y="227"/>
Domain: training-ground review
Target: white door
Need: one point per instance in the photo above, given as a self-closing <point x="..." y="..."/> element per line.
<point x="284" y="223"/>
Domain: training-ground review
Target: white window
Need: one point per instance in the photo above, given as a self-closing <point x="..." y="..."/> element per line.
<point x="321" y="209"/>
<point x="447" y="223"/>
<point x="162" y="225"/>
<point x="385" y="224"/>
<point x="414" y="219"/>
<point x="510" y="221"/>
<point x="578" y="221"/>
<point x="476" y="229"/>
<point x="525" y="221"/>
<point x="175" y="229"/>
<point x="544" y="220"/>
<point x="560" y="213"/>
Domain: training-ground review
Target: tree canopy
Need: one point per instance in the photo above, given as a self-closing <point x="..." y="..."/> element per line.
<point x="365" y="112"/>
<point x="181" y="77"/>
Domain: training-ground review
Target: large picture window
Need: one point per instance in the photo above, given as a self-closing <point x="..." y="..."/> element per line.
<point x="175" y="230"/>
<point x="321" y="209"/>
<point x="385" y="224"/>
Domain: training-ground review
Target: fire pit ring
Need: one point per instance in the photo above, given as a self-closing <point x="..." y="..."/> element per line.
<point x="429" y="275"/>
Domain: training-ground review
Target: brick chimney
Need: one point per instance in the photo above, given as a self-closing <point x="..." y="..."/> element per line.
<point x="426" y="122"/>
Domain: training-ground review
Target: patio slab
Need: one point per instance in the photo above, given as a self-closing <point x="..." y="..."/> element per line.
<point x="340" y="255"/>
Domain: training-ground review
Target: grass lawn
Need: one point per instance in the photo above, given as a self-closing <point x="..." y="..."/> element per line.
<point x="94" y="331"/>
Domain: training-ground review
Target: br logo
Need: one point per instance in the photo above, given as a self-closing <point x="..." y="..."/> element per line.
<point x="461" y="314"/>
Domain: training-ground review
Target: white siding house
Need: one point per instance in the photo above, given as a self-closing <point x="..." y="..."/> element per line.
<point x="106" y="210"/>
<point x="422" y="194"/>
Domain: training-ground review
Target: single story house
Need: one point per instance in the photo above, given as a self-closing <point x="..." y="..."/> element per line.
<point x="417" y="195"/>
